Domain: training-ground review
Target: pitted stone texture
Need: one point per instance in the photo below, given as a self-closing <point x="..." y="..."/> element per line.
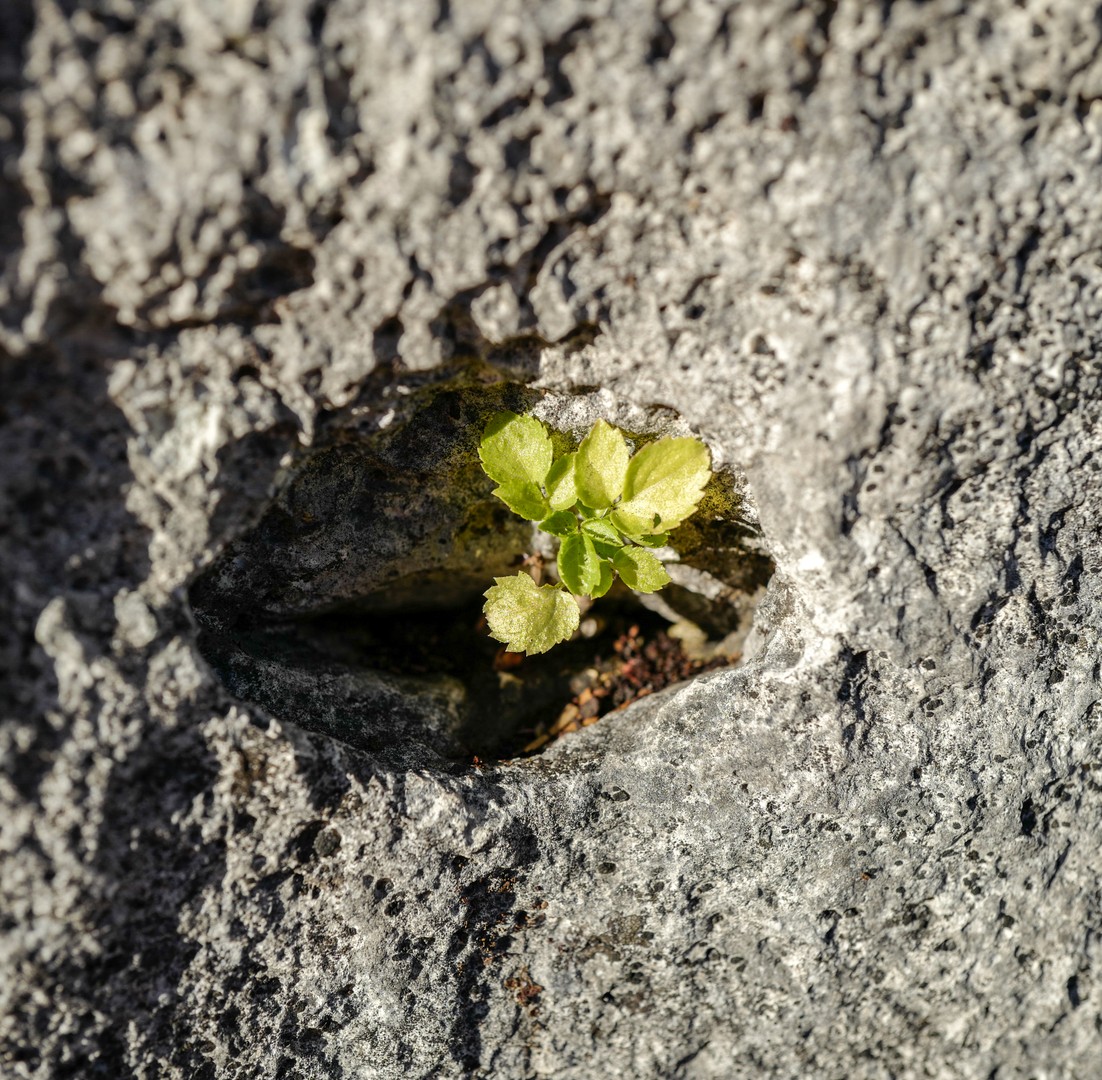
<point x="852" y="245"/>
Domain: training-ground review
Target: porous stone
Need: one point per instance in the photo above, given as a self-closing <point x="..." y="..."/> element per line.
<point x="851" y="246"/>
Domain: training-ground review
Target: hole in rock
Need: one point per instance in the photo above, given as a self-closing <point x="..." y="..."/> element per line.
<point x="354" y="605"/>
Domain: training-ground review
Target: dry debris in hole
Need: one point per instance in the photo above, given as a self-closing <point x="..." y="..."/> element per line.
<point x="638" y="666"/>
<point x="526" y="991"/>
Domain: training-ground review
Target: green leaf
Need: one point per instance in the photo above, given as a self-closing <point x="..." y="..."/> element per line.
<point x="606" y="551"/>
<point x="631" y="526"/>
<point x="600" y="529"/>
<point x="605" y="582"/>
<point x="515" y="449"/>
<point x="579" y="566"/>
<point x="601" y="466"/>
<point x="640" y="570"/>
<point x="524" y="499"/>
<point x="656" y="540"/>
<point x="529" y="618"/>
<point x="663" y="484"/>
<point x="560" y="523"/>
<point x="562" y="492"/>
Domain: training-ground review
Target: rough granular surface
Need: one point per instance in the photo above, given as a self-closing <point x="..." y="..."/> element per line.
<point x="853" y="247"/>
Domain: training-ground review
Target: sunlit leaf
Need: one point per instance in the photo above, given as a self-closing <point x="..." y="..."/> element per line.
<point x="605" y="581"/>
<point x="663" y="484"/>
<point x="524" y="499"/>
<point x="529" y="618"/>
<point x="606" y="551"/>
<point x="562" y="492"/>
<point x="601" y="465"/>
<point x="560" y="523"/>
<point x="605" y="538"/>
<point x="616" y="497"/>
<point x="579" y="565"/>
<point x="515" y="449"/>
<point x="634" y="526"/>
<point x="640" y="570"/>
<point x="601" y="530"/>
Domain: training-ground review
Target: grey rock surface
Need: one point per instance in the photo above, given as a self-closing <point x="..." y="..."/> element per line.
<point x="854" y="247"/>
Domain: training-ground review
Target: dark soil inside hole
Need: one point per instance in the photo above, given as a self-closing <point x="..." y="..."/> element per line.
<point x="643" y="659"/>
<point x="510" y="705"/>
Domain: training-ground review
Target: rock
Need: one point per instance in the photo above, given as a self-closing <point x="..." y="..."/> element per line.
<point x="850" y="246"/>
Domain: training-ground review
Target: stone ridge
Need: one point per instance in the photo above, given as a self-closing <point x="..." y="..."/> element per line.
<point x="853" y="246"/>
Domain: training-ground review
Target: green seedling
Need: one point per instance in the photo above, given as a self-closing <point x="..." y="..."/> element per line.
<point x="604" y="505"/>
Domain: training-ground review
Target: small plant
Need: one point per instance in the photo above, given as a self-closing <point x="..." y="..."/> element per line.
<point x="606" y="506"/>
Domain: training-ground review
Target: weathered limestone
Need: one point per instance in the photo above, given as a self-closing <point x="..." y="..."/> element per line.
<point x="854" y="247"/>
